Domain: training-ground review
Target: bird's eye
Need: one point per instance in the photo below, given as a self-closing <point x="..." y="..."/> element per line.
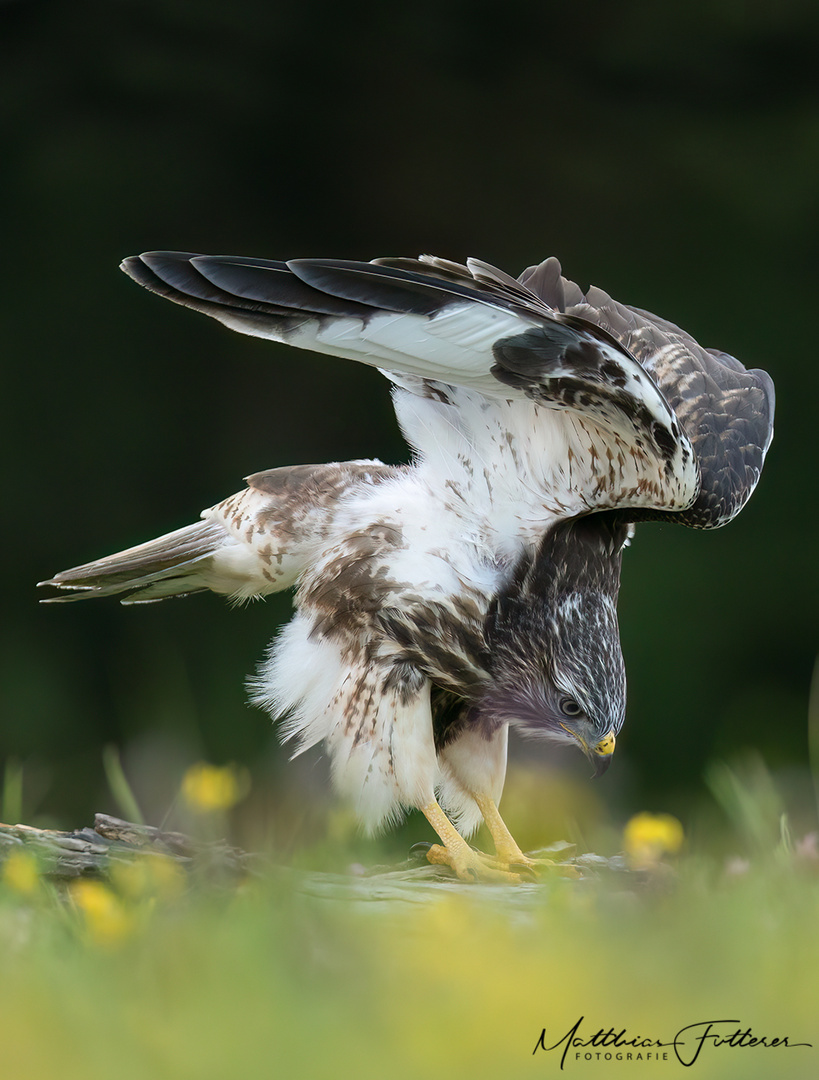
<point x="569" y="707"/>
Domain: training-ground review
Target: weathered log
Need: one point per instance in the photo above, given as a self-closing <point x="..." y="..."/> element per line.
<point x="63" y="856"/>
<point x="91" y="852"/>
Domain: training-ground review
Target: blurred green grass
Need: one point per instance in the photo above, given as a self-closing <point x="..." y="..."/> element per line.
<point x="273" y="979"/>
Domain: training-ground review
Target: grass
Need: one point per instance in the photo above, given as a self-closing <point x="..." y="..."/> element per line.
<point x="151" y="976"/>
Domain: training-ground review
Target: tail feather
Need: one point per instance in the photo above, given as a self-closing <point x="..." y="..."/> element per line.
<point x="254" y="543"/>
<point x="172" y="565"/>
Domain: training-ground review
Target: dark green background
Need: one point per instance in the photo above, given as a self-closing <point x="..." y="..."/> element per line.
<point x="666" y="152"/>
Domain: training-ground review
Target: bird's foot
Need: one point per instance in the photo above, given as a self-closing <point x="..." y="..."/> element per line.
<point x="516" y="862"/>
<point x="507" y="849"/>
<point x="471" y="865"/>
<point x="511" y="867"/>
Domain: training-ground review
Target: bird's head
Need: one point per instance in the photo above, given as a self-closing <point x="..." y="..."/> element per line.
<point x="557" y="666"/>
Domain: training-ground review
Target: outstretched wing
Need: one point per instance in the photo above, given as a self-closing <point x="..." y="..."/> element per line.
<point x="396" y="320"/>
<point x="466" y="326"/>
<point x="729" y="412"/>
<point x="726" y="410"/>
<point x="254" y="543"/>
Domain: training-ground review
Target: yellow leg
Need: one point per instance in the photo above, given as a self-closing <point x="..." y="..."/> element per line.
<point x="454" y="851"/>
<point x="506" y="847"/>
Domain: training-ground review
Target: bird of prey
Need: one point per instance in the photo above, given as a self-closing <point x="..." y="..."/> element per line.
<point x="438" y="603"/>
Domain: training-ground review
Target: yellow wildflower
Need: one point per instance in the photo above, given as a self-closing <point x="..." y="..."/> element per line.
<point x="647" y="837"/>
<point x="20" y="873"/>
<point x="209" y="788"/>
<point x="106" y="918"/>
<point x="149" y="876"/>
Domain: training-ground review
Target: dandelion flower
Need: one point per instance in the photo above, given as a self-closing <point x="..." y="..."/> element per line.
<point x="647" y="837"/>
<point x="106" y="918"/>
<point x="210" y="788"/>
<point x="20" y="873"/>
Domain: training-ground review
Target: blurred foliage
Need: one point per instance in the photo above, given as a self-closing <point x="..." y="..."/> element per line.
<point x="154" y="974"/>
<point x="666" y="152"/>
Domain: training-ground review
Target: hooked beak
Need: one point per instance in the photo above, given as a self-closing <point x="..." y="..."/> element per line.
<point x="600" y="754"/>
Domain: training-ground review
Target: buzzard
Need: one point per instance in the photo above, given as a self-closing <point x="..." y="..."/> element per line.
<point x="438" y="603"/>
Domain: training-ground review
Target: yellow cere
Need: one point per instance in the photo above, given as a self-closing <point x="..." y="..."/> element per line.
<point x="647" y="837"/>
<point x="210" y="788"/>
<point x="606" y="744"/>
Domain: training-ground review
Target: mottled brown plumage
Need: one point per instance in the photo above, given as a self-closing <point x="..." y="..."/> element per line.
<point x="440" y="603"/>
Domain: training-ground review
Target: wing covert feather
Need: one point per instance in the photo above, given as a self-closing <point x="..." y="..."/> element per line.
<point x="705" y="420"/>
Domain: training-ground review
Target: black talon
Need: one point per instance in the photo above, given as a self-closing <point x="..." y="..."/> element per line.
<point x="420" y="849"/>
